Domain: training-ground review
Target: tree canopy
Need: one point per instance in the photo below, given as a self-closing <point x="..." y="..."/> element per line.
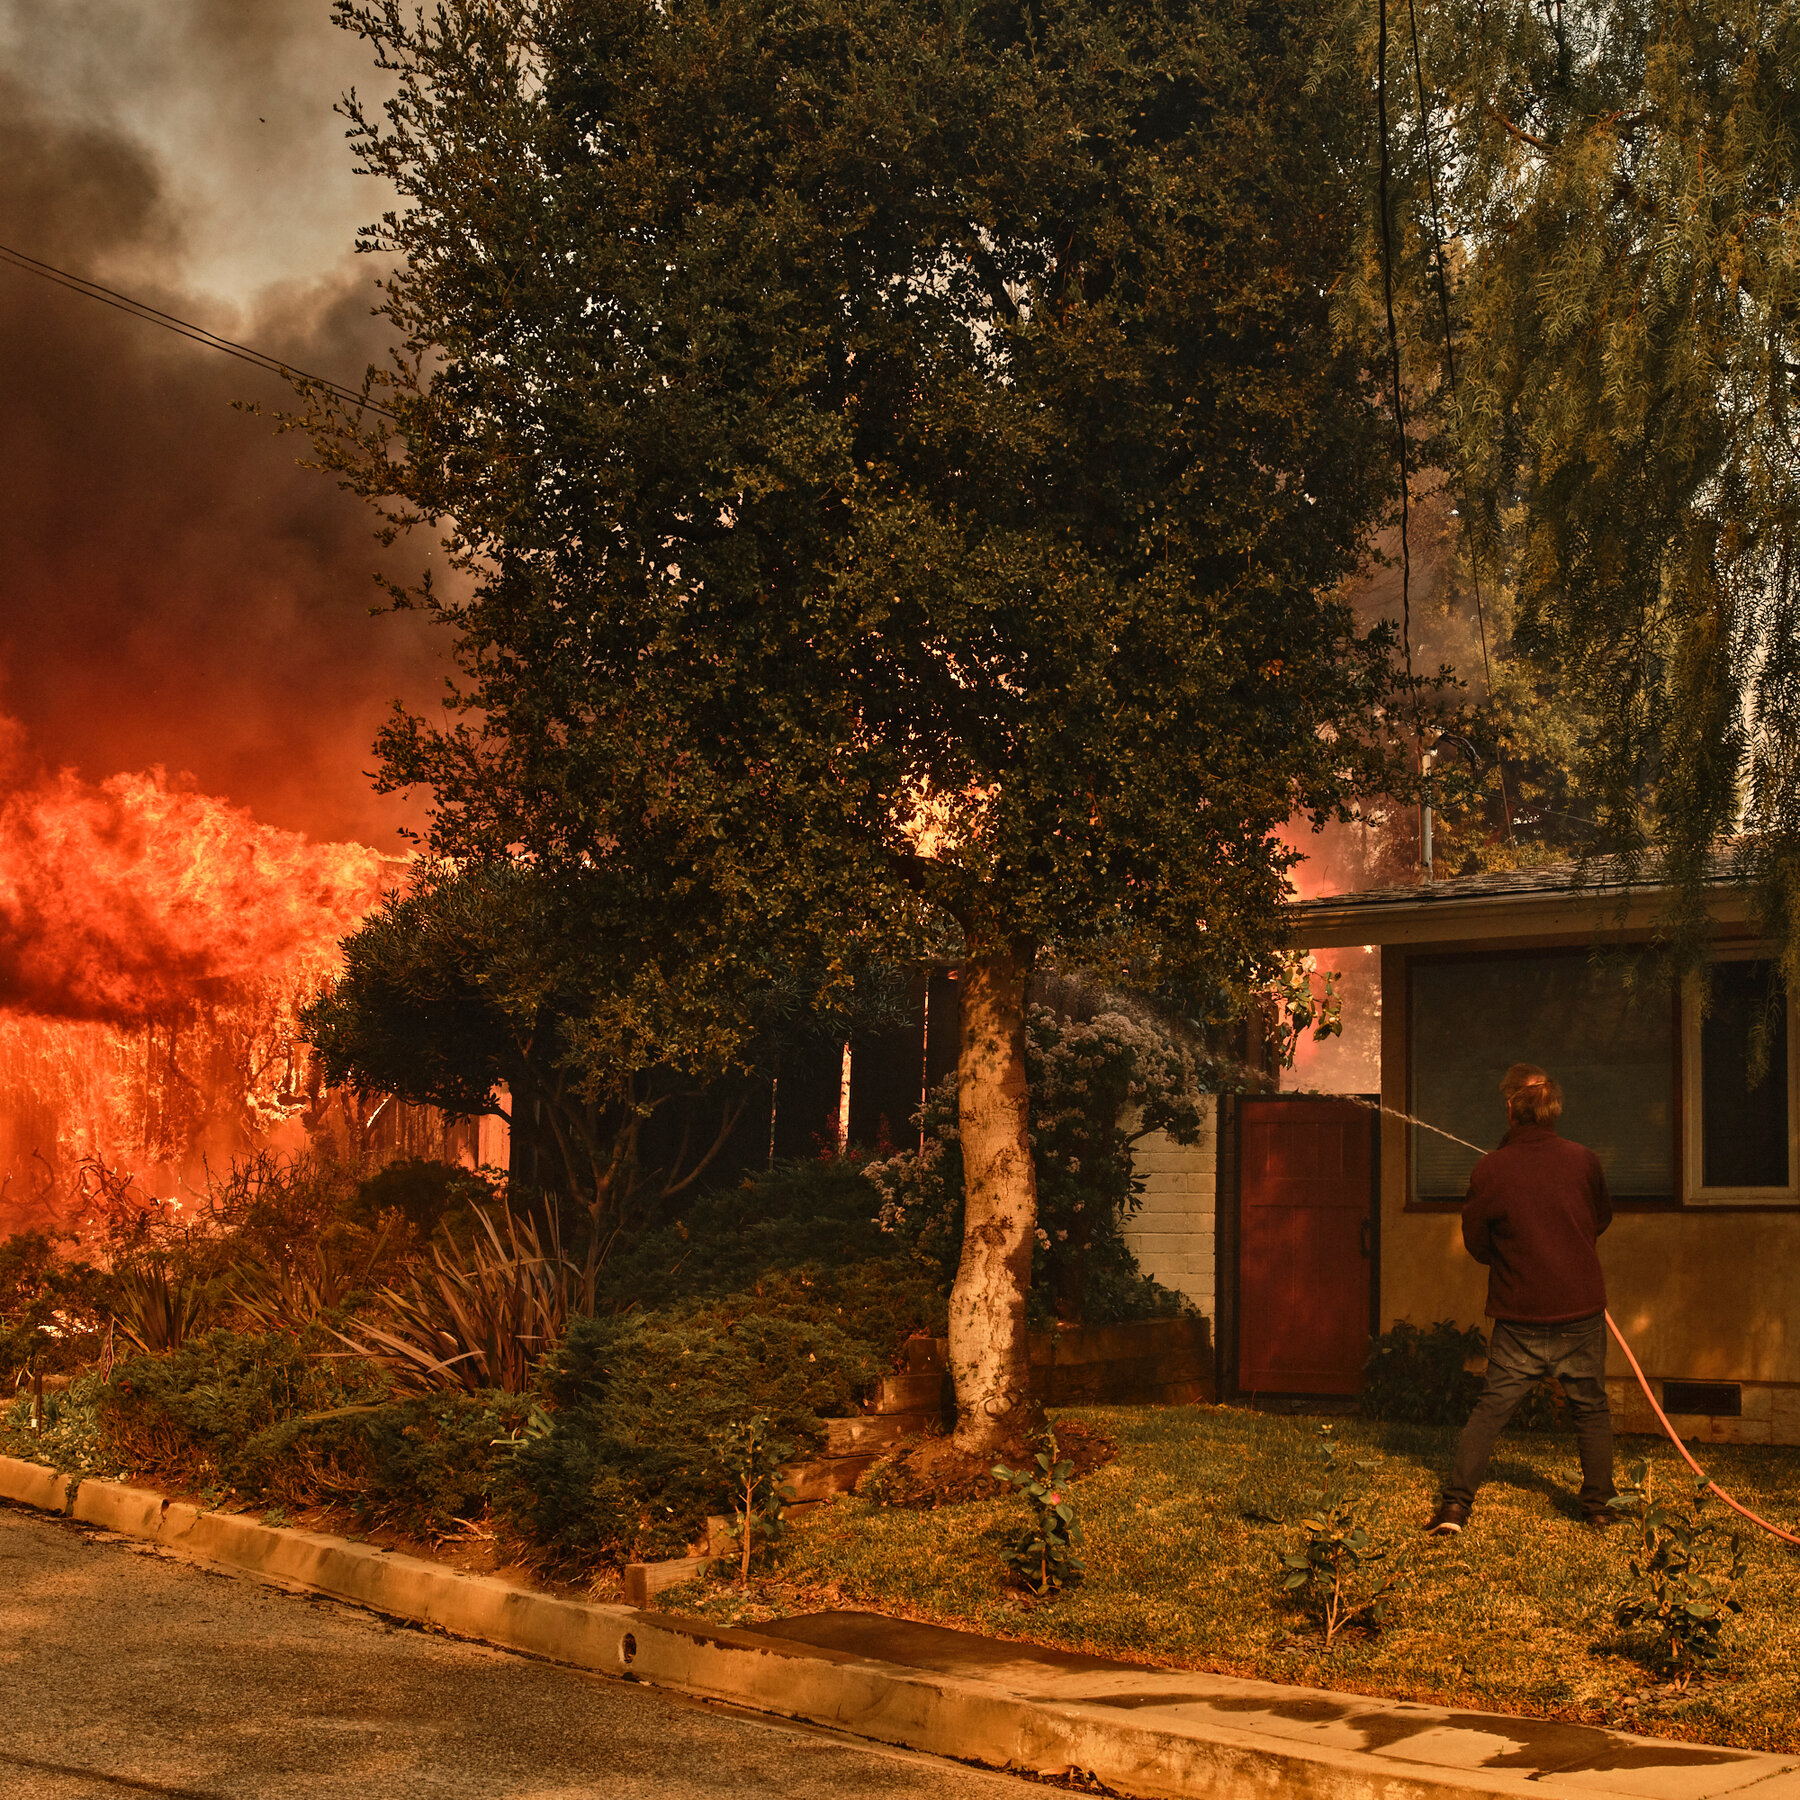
<point x="1606" y="190"/>
<point x="502" y="988"/>
<point x="904" y="463"/>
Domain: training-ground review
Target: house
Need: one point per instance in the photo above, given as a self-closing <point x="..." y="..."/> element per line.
<point x="1346" y="1218"/>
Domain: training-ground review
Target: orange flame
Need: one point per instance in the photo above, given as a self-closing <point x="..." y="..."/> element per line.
<point x="133" y="900"/>
<point x="154" y="944"/>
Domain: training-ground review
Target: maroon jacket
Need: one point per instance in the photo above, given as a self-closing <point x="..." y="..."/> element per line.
<point x="1534" y="1209"/>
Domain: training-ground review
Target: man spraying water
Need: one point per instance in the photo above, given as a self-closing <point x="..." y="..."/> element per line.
<point x="1535" y="1207"/>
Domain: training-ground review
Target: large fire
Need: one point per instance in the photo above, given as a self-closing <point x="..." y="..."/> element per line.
<point x="154" y="945"/>
<point x="1342" y="859"/>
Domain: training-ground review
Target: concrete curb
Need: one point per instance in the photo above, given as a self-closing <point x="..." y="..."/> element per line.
<point x="1051" y="1716"/>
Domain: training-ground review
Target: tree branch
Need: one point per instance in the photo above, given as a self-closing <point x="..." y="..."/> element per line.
<point x="1518" y="131"/>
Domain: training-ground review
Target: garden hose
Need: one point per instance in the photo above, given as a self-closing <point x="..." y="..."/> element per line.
<point x="1712" y="1487"/>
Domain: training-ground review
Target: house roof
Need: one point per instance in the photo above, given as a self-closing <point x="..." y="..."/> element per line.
<point x="1552" y="900"/>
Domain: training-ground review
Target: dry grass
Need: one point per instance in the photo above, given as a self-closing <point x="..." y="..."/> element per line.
<point x="1184" y="1533"/>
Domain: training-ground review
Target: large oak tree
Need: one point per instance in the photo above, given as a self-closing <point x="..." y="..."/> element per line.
<point x="903" y="464"/>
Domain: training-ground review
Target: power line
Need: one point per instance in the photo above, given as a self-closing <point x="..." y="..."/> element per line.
<point x="198" y="334"/>
<point x="1443" y="288"/>
<point x="1387" y="288"/>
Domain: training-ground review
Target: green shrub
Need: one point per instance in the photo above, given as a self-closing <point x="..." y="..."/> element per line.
<point x="628" y="1465"/>
<point x="801" y="1240"/>
<point x="423" y="1192"/>
<point x="63" y="1430"/>
<point x="421" y="1464"/>
<point x="1419" y="1377"/>
<point x="194" y="1413"/>
<point x="53" y="1309"/>
<point x="818" y="1213"/>
<point x="274" y="1419"/>
<point x="1118" y="1291"/>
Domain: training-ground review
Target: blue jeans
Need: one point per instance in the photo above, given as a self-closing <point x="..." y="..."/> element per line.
<point x="1518" y="1357"/>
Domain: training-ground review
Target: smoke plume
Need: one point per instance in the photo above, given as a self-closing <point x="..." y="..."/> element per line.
<point x="176" y="590"/>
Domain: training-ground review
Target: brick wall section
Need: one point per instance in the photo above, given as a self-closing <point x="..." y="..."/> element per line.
<point x="1172" y="1235"/>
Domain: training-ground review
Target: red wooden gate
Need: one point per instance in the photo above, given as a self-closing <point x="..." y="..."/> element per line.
<point x="1306" y="1239"/>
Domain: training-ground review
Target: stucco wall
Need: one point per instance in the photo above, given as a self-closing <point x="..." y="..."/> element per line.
<point x="1173" y="1235"/>
<point x="1702" y="1295"/>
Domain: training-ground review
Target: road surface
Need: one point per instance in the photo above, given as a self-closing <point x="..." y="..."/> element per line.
<point x="126" y="1672"/>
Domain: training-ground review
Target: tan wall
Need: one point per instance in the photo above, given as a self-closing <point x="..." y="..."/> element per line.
<point x="1172" y="1235"/>
<point x="1701" y="1295"/>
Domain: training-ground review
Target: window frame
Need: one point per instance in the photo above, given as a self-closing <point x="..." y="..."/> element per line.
<point x="1692" y="1147"/>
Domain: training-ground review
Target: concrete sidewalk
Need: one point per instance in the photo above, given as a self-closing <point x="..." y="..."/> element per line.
<point x="1142" y="1731"/>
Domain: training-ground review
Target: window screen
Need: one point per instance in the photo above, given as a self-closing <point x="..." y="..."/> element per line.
<point x="1604" y="1029"/>
<point x="1743" y="1124"/>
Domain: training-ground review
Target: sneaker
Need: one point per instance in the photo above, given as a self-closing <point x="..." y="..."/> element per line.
<point x="1599" y="1518"/>
<point x="1450" y="1517"/>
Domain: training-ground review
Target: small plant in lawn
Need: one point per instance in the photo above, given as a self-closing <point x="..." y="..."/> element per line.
<point x="1684" y="1576"/>
<point x="751" y="1457"/>
<point x="1326" y="1576"/>
<point x="1046" y="1556"/>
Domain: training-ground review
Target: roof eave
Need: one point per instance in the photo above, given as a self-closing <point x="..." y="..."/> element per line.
<point x="1580" y="914"/>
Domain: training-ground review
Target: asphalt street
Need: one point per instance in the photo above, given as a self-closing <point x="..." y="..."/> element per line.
<point x="124" y="1671"/>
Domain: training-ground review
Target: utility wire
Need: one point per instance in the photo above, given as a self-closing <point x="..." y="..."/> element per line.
<point x="1443" y="288"/>
<point x="1387" y="286"/>
<point x="197" y="334"/>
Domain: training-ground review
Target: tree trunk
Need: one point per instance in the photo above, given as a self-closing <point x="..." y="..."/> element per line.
<point x="989" y="1356"/>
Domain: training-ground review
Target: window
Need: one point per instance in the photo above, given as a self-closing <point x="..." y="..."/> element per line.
<point x="1605" y="1028"/>
<point x="1741" y="1101"/>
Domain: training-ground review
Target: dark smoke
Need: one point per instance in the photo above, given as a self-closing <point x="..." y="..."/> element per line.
<point x="174" y="589"/>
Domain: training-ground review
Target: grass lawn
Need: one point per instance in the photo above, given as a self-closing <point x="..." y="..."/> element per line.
<point x="1185" y="1529"/>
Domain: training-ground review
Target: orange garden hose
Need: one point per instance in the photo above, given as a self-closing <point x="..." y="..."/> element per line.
<point x="1712" y="1487"/>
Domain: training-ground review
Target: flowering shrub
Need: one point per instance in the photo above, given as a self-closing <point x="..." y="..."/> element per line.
<point x="1096" y="1088"/>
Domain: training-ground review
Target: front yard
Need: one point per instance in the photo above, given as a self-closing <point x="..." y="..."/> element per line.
<point x="1184" y="1534"/>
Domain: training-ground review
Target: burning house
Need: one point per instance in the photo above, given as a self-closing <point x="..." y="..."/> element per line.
<point x="154" y="945"/>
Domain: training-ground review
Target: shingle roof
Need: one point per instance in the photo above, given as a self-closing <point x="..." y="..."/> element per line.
<point x="1601" y="876"/>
